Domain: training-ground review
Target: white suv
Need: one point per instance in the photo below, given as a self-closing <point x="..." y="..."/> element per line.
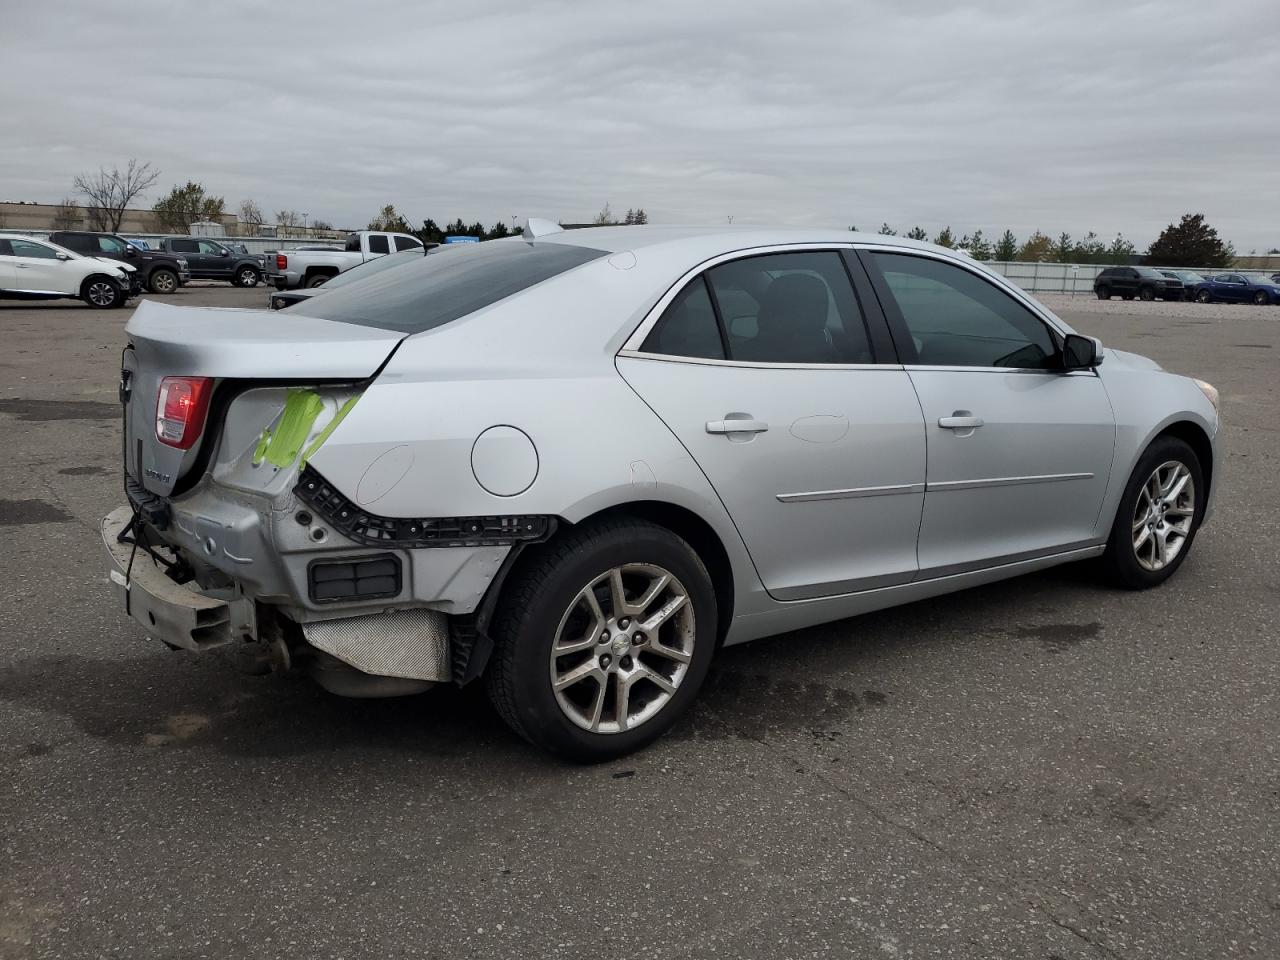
<point x="32" y="269"/>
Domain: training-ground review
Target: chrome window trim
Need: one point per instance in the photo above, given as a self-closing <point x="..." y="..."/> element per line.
<point x="754" y="364"/>
<point x="632" y="344"/>
<point x="1021" y="371"/>
<point x="888" y="490"/>
<point x="943" y="485"/>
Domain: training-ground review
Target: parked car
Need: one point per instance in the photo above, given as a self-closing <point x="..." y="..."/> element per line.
<point x="212" y="260"/>
<point x="577" y="462"/>
<point x="312" y="267"/>
<point x="287" y="298"/>
<point x="1142" y="282"/>
<point x="32" y="269"/>
<point x="160" y="273"/>
<point x="1190" y="280"/>
<point x="1238" y="288"/>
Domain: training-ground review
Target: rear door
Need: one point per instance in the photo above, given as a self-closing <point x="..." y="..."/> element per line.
<point x="189" y="250"/>
<point x="768" y="370"/>
<point x="1019" y="451"/>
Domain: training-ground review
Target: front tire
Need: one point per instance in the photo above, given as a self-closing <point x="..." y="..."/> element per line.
<point x="1103" y="292"/>
<point x="1261" y="298"/>
<point x="247" y="277"/>
<point x="1146" y="293"/>
<point x="602" y="638"/>
<point x="1204" y="296"/>
<point x="1158" y="516"/>
<point x="101" y="293"/>
<point x="162" y="281"/>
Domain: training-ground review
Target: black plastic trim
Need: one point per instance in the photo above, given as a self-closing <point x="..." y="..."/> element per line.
<point x="339" y="579"/>
<point x="369" y="528"/>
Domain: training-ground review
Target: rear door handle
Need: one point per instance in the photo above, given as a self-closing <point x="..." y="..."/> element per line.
<point x="736" y="426"/>
<point x="958" y="421"/>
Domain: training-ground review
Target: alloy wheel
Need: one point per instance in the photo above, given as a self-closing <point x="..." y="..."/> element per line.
<point x="163" y="282"/>
<point x="102" y="293"/>
<point x="1163" y="515"/>
<point x="622" y="648"/>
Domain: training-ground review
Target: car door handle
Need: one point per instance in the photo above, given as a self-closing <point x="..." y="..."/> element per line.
<point x="957" y="421"/>
<point x="736" y="426"/>
<point x="21" y="266"/>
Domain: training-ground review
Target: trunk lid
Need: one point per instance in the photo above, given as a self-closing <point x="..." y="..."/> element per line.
<point x="248" y="347"/>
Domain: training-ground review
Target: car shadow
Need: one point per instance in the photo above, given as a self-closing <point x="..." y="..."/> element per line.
<point x="156" y="700"/>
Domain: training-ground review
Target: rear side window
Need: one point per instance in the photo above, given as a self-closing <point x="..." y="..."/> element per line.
<point x="407" y="243"/>
<point x="958" y="319"/>
<point x="184" y="246"/>
<point x="378" y="245"/>
<point x="75" y="241"/>
<point x="687" y="328"/>
<point x="438" y="289"/>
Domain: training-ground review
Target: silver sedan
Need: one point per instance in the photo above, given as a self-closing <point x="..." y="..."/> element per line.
<point x="572" y="465"/>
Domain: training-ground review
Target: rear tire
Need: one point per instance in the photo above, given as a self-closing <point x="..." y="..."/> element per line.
<point x="1152" y="532"/>
<point x="101" y="293"/>
<point x="162" y="281"/>
<point x="317" y="280"/>
<point x="634" y="683"/>
<point x="247" y="277"/>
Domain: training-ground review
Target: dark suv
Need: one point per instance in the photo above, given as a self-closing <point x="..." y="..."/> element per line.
<point x="1141" y="282"/>
<point x="159" y="272"/>
<point x="212" y="260"/>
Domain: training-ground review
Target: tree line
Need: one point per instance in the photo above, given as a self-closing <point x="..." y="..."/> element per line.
<point x="1189" y="243"/>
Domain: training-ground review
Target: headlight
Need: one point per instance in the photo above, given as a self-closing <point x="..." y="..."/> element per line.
<point x="1210" y="392"/>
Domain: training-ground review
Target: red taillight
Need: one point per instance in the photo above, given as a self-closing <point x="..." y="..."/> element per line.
<point x="181" y="409"/>
<point x="282" y="262"/>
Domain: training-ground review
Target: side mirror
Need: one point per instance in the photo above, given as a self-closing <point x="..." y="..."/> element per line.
<point x="225" y="253"/>
<point x="1081" y="353"/>
<point x="62" y="256"/>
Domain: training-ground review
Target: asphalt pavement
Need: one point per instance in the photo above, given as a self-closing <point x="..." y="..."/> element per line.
<point x="1042" y="768"/>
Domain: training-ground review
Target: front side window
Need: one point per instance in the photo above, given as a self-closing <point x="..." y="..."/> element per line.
<point x="208" y="246"/>
<point x="27" y="248"/>
<point x="378" y="245"/>
<point x="958" y="319"/>
<point x="687" y="328"/>
<point x="110" y="245"/>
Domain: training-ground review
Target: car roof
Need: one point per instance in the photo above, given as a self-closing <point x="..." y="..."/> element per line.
<point x="720" y="238"/>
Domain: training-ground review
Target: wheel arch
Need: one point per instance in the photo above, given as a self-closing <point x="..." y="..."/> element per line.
<point x="84" y="284"/>
<point x="320" y="271"/>
<point x="1194" y="436"/>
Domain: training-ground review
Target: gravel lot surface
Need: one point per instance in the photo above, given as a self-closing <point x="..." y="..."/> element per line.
<point x="1039" y="769"/>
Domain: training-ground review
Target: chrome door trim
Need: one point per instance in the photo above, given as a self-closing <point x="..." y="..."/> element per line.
<point x="943" y="485"/>
<point x="761" y="364"/>
<point x="836" y="588"/>
<point x="972" y="566"/>
<point x="882" y="491"/>
<point x="633" y="342"/>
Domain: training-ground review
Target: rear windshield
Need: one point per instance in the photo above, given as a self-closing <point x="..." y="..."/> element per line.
<point x="445" y="284"/>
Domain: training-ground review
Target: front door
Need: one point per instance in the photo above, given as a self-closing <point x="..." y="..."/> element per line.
<point x="764" y="370"/>
<point x="37" y="268"/>
<point x="216" y="260"/>
<point x="1019" y="451"/>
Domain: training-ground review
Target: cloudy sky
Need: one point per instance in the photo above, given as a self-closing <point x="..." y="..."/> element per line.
<point x="1073" y="116"/>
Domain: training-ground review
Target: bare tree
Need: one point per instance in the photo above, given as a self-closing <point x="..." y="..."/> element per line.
<point x="288" y="219"/>
<point x="250" y="213"/>
<point x="604" y="217"/>
<point x="110" y="193"/>
<point x="66" y="215"/>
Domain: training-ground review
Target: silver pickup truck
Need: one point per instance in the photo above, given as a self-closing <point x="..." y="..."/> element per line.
<point x="288" y="269"/>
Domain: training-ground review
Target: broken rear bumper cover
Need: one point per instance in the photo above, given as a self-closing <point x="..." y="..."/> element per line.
<point x="392" y="641"/>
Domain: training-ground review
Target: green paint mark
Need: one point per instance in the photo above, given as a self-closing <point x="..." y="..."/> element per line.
<point x="281" y="446"/>
<point x="329" y="428"/>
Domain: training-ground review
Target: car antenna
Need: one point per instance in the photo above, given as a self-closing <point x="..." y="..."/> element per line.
<point x="535" y="227"/>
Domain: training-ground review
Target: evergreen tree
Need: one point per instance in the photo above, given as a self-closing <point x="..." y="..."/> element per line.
<point x="946" y="238"/>
<point x="917" y="233"/>
<point x="1190" y="243"/>
<point x="1007" y="248"/>
<point x="887" y="231"/>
